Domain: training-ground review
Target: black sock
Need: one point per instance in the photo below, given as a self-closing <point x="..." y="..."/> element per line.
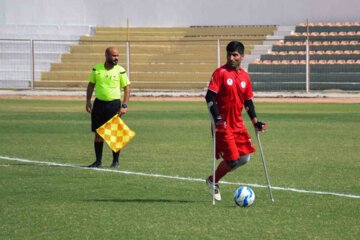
<point x="98" y="150"/>
<point x="116" y="156"/>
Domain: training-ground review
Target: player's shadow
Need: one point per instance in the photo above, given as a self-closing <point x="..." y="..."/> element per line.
<point x="138" y="200"/>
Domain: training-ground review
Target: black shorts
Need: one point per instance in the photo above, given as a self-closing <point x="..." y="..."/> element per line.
<point x="102" y="111"/>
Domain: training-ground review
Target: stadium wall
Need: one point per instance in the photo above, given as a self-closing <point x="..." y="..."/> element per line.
<point x="172" y="13"/>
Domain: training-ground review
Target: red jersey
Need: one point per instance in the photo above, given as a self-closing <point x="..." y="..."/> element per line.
<point x="232" y="88"/>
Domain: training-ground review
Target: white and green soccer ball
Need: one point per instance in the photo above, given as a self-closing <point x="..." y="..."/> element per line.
<point x="244" y="196"/>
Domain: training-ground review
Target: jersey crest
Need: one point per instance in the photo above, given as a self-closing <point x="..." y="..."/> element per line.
<point x="243" y="84"/>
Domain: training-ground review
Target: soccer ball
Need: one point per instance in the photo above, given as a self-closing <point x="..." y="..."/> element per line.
<point x="244" y="197"/>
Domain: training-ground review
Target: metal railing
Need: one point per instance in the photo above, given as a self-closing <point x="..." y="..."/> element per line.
<point x="173" y="64"/>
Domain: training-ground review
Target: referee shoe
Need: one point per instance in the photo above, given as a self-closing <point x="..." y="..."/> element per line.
<point x="115" y="164"/>
<point x="96" y="164"/>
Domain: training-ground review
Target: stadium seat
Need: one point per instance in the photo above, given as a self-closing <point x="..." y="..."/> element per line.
<point x="334" y="50"/>
<point x="295" y="62"/>
<point x="284" y="62"/>
<point x="266" y="62"/>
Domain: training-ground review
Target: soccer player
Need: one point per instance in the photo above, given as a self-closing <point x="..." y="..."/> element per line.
<point x="108" y="79"/>
<point x="229" y="91"/>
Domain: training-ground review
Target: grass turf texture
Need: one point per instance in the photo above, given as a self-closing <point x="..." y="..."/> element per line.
<point x="308" y="146"/>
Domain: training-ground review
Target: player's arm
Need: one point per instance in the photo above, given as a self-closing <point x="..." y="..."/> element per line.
<point x="210" y="98"/>
<point x="250" y="108"/>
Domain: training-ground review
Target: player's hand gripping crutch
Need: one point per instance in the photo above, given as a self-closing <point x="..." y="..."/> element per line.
<point x="257" y="129"/>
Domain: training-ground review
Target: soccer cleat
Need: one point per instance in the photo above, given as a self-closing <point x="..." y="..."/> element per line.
<point x="96" y="164"/>
<point x="115" y="164"/>
<point x="217" y="194"/>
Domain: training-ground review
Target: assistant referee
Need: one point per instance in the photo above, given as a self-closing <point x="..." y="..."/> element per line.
<point x="107" y="79"/>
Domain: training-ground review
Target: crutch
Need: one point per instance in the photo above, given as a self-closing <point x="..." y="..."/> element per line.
<point x="213" y="128"/>
<point x="264" y="164"/>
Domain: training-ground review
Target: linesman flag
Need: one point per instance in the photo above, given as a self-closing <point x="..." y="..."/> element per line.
<point x="115" y="133"/>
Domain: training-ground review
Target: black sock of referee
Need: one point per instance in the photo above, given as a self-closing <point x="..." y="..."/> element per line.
<point x="98" y="151"/>
<point x="116" y="156"/>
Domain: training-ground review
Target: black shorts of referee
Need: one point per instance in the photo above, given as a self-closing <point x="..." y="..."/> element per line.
<point x="102" y="111"/>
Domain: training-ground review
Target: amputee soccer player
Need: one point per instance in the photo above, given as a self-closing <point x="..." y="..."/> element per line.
<point x="228" y="92"/>
<point x="108" y="79"/>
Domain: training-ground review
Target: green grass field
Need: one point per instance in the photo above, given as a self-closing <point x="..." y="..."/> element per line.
<point x="309" y="146"/>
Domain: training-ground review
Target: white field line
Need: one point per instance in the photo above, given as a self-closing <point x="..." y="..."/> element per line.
<point x="179" y="178"/>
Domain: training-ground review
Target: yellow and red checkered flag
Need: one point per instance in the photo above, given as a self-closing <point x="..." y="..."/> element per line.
<point x="115" y="133"/>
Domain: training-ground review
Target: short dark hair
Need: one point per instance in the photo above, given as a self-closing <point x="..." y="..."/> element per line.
<point x="235" y="46"/>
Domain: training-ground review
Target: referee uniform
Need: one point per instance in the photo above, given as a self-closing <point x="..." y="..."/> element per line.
<point x="108" y="93"/>
<point x="108" y="79"/>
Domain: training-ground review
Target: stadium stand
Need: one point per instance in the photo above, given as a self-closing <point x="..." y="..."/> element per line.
<point x="182" y="58"/>
<point x="160" y="58"/>
<point x="28" y="50"/>
<point x="334" y="53"/>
